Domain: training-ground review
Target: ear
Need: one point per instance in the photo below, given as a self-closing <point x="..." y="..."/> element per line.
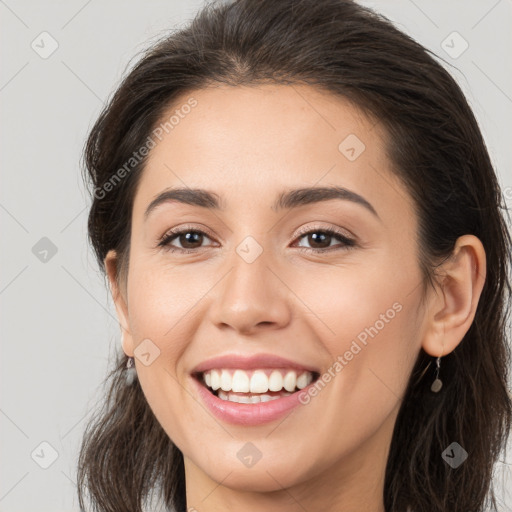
<point x="119" y="297"/>
<point x="452" y="310"/>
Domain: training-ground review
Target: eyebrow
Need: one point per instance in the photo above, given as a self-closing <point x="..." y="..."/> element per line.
<point x="286" y="200"/>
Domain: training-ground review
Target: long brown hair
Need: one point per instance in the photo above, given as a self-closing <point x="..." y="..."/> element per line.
<point x="437" y="150"/>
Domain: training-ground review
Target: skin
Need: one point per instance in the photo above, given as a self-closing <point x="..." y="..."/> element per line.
<point x="248" y="144"/>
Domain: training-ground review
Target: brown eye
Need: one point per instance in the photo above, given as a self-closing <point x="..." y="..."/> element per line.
<point x="320" y="240"/>
<point x="189" y="240"/>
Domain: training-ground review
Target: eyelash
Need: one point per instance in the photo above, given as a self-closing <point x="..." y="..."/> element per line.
<point x="348" y="243"/>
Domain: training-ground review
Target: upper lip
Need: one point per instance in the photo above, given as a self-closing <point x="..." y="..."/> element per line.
<point x="251" y="362"/>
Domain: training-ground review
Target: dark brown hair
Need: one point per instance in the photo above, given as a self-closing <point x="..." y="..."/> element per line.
<point x="437" y="150"/>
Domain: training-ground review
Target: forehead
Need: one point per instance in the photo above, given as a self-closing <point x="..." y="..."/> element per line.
<point x="249" y="141"/>
<point x="260" y="119"/>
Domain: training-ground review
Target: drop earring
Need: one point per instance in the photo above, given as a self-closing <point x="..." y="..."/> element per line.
<point x="130" y="371"/>
<point x="437" y="384"/>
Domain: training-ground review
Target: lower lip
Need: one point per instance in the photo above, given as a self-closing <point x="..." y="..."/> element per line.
<point x="248" y="414"/>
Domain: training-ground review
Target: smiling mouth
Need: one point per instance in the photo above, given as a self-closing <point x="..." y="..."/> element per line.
<point x="254" y="386"/>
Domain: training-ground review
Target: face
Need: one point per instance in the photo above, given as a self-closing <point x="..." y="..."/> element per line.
<point x="330" y="283"/>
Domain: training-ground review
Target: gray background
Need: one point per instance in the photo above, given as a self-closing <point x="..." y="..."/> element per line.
<point x="58" y="325"/>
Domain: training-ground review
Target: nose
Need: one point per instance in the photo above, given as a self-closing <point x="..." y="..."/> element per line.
<point x="250" y="298"/>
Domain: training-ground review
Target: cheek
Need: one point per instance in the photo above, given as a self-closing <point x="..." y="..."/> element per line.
<point x="160" y="310"/>
<point x="160" y="299"/>
<point x="366" y="318"/>
<point x="346" y="299"/>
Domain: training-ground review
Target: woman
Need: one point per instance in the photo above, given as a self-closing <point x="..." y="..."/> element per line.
<point x="302" y="233"/>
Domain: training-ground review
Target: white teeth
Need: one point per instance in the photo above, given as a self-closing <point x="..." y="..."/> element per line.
<point x="290" y="380"/>
<point x="257" y="381"/>
<point x="225" y="381"/>
<point x="215" y="379"/>
<point x="304" y="380"/>
<point x="275" y="381"/>
<point x="240" y="382"/>
<point x="249" y="399"/>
